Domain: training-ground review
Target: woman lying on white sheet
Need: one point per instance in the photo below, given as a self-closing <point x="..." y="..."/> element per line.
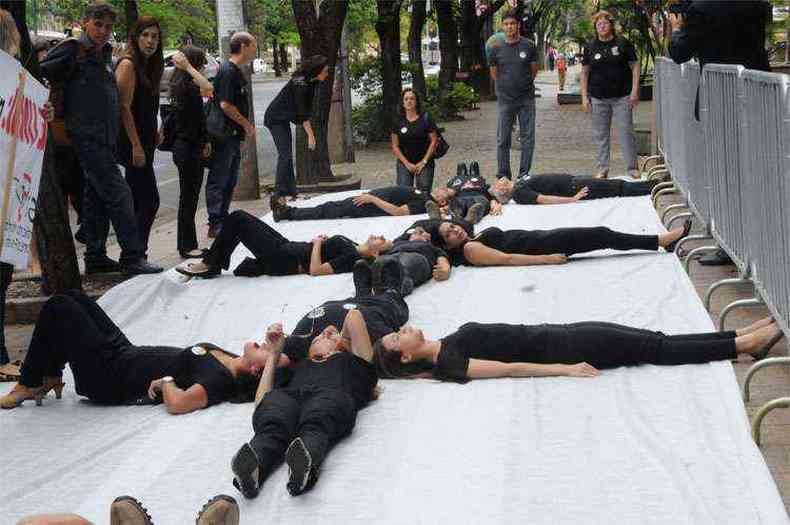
<point x="480" y="351"/>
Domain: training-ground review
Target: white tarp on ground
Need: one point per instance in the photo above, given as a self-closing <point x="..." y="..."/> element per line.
<point x="640" y="445"/>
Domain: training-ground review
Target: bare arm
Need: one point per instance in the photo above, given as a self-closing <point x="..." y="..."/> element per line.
<point x="355" y="329"/>
<point x="554" y="199"/>
<point x="492" y="69"/>
<point x="534" y="68"/>
<point x="266" y="383"/>
<point x="127" y="81"/>
<point x="395" y="148"/>
<point x="485" y="369"/>
<point x="431" y="147"/>
<point x="205" y="85"/>
<point x="585" y="80"/>
<point x="636" y="71"/>
<point x="308" y="128"/>
<point x="232" y="112"/>
<point x="479" y="254"/>
<point x="389" y="208"/>
<point x="179" y="401"/>
<point x="317" y="266"/>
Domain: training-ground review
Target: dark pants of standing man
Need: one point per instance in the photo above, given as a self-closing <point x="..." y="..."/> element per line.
<point x="285" y="180"/>
<point x="107" y="199"/>
<point x="222" y="179"/>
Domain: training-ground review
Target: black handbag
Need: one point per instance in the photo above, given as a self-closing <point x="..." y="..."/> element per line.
<point x="442" y="147"/>
<point x="216" y="125"/>
<point x="168" y="132"/>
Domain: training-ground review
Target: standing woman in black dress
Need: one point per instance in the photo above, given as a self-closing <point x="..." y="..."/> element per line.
<point x="109" y="369"/>
<point x="413" y="141"/>
<point x="294" y="104"/>
<point x="138" y="73"/>
<point x="187" y="89"/>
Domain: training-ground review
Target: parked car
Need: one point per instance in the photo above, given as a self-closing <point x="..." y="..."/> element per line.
<point x="209" y="71"/>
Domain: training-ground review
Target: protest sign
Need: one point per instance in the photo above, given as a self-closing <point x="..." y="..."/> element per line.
<point x="23" y="138"/>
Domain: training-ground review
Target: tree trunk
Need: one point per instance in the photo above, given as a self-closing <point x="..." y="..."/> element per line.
<point x="388" y="29"/>
<point x="52" y="232"/>
<point x="448" y="44"/>
<point x="283" y="58"/>
<point x="540" y="45"/>
<point x="470" y="35"/>
<point x="418" y="17"/>
<point x="319" y="34"/>
<point x="130" y="8"/>
<point x="276" y="59"/>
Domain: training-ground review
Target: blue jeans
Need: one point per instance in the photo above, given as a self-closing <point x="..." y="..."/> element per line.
<point x="284" y="180"/>
<point x="222" y="179"/>
<point x="107" y="199"/>
<point x="526" y="123"/>
<point x="424" y="179"/>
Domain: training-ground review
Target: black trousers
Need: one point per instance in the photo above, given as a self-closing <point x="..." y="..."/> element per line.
<point x="336" y="210"/>
<point x="145" y="194"/>
<point x="416" y="269"/>
<point x="72" y="180"/>
<point x="73" y="329"/>
<point x="320" y="416"/>
<point x="608" y="345"/>
<point x="460" y="205"/>
<point x="579" y="240"/>
<point x="6" y="274"/>
<point x="285" y="179"/>
<point x="266" y="244"/>
<point x="604" y="188"/>
<point x="188" y="158"/>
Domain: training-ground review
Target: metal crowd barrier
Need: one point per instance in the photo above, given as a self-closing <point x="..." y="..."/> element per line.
<point x="733" y="170"/>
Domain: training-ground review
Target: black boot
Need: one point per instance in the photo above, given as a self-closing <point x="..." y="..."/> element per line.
<point x="388" y="275"/>
<point x="280" y="211"/>
<point x="246" y="471"/>
<point x="302" y="473"/>
<point x="474" y="169"/>
<point x="101" y="265"/>
<point x="363" y="278"/>
<point x="461" y="170"/>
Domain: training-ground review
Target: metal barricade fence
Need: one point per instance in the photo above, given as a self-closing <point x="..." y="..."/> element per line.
<point x="765" y="116"/>
<point x="699" y="186"/>
<point x="720" y="115"/>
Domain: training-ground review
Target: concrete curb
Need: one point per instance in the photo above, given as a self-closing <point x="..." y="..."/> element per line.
<point x="26" y="310"/>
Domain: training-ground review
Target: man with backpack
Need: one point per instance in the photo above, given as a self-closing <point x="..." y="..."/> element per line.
<point x="80" y="69"/>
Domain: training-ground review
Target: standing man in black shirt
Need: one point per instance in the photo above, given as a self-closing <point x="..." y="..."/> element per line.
<point x="391" y="200"/>
<point x="514" y="64"/>
<point x="721" y="32"/>
<point x="610" y="88"/>
<point x="562" y="188"/>
<point x="230" y="91"/>
<point x="81" y="68"/>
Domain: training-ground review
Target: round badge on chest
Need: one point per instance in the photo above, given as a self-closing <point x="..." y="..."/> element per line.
<point x="404" y="130"/>
<point x="523" y="54"/>
<point x="315" y="313"/>
<point x="350" y="306"/>
<point x="597" y="56"/>
<point x="616" y="51"/>
<point x="197" y="350"/>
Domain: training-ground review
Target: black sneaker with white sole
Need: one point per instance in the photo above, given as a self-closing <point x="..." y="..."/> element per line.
<point x="300" y="467"/>
<point x="245" y="471"/>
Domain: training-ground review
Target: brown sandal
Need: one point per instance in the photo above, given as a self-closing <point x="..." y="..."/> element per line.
<point x="10" y="372"/>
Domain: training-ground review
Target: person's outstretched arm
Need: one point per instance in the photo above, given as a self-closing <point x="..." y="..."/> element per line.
<point x="276" y="338"/>
<point x="554" y="199"/>
<point x="389" y="208"/>
<point x="356" y="331"/>
<point x="485" y="369"/>
<point x="478" y="254"/>
<point x="441" y="272"/>
<point x="317" y="266"/>
<point x="179" y="401"/>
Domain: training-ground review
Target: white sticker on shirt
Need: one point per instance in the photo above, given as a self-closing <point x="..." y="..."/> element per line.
<point x="417" y="192"/>
<point x="350" y="306"/>
<point x="616" y="51"/>
<point x="198" y="350"/>
<point x="403" y="130"/>
<point x="523" y="54"/>
<point x="316" y="313"/>
<point x="597" y="56"/>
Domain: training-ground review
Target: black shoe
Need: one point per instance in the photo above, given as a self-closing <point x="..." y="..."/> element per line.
<point x="246" y="476"/>
<point x="719" y="258"/>
<point x="280" y="211"/>
<point x="474" y="169"/>
<point x="363" y="278"/>
<point x="461" y="170"/>
<point x="686" y="229"/>
<point x="388" y="275"/>
<point x="475" y="213"/>
<point x="140" y="267"/>
<point x="213" y="231"/>
<point x="80" y="236"/>
<point x="301" y="473"/>
<point x="197" y="253"/>
<point x="102" y="265"/>
<point x="208" y="273"/>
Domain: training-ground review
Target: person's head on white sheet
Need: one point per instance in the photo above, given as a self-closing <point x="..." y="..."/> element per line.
<point x="453" y="236"/>
<point x="403" y="354"/>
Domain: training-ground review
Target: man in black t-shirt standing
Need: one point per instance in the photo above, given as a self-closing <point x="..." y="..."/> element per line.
<point x="230" y="92"/>
<point x="391" y="200"/>
<point x="514" y="63"/>
<point x="610" y="88"/>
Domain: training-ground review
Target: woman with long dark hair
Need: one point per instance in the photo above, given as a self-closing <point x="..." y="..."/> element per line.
<point x="109" y="369"/>
<point x="413" y="139"/>
<point x="294" y="103"/>
<point x="187" y="89"/>
<point x="482" y="351"/>
<point x="138" y="73"/>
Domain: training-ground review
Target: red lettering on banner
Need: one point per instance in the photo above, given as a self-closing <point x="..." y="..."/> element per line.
<point x="23" y="121"/>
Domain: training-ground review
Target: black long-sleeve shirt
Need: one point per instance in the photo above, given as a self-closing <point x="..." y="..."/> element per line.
<point x="190" y="117"/>
<point x="294" y="103"/>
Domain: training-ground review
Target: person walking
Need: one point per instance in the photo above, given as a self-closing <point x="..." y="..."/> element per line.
<point x="562" y="68"/>
<point x="294" y="103"/>
<point x="610" y="87"/>
<point x="230" y="92"/>
<point x="413" y="141"/>
<point x="81" y="69"/>
<point x="513" y="62"/>
<point x="191" y="147"/>
<point x="138" y="73"/>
